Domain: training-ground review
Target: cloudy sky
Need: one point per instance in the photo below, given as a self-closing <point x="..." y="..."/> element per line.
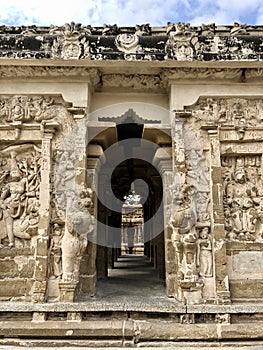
<point x="130" y="12"/>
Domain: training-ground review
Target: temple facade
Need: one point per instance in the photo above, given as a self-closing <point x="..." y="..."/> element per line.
<point x="141" y="142"/>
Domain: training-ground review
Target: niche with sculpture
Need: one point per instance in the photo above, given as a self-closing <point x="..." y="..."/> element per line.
<point x="243" y="201"/>
<point x="19" y="199"/>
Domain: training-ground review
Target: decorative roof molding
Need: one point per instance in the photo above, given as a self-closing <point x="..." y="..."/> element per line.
<point x="177" y="41"/>
<point x="201" y="73"/>
<point x="133" y="81"/>
<point x="49" y="71"/>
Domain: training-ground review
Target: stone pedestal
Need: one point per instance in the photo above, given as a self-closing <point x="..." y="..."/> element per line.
<point x="67" y="291"/>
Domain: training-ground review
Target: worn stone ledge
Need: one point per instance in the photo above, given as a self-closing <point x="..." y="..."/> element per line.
<point x="92" y="305"/>
<point x="233" y="308"/>
<point x="74" y="344"/>
<point x="97" y="306"/>
<point x="139" y="331"/>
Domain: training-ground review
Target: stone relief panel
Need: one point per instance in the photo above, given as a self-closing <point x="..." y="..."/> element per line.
<point x="243" y="197"/>
<point x="72" y="219"/>
<point x="20" y="183"/>
<point x="191" y="218"/>
<point x="29" y="109"/>
<point x="240" y="113"/>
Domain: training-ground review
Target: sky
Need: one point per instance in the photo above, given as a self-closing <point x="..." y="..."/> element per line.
<point x="130" y="12"/>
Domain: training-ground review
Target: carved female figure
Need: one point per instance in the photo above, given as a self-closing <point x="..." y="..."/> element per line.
<point x="204" y="253"/>
<point x="12" y="198"/>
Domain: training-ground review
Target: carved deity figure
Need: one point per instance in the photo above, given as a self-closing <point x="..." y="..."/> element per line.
<point x="73" y="246"/>
<point x="56" y="252"/>
<point x="204" y="253"/>
<point x="19" y="199"/>
<point x="184" y="235"/>
<point x="79" y="223"/>
<point x="241" y="197"/>
<point x="65" y="169"/>
<point x="12" y="199"/>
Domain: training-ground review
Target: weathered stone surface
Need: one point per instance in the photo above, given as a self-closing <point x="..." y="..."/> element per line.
<point x="247" y="290"/>
<point x="203" y="170"/>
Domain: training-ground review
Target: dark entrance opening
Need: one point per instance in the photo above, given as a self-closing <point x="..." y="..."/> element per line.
<point x="129" y="272"/>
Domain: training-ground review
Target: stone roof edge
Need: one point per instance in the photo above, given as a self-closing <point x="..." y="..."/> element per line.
<point x="140" y="29"/>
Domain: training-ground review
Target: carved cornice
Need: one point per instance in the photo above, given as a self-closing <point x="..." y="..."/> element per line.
<point x="201" y="73"/>
<point x="143" y="82"/>
<point x="49" y="71"/>
<point x="134" y="81"/>
<point x="178" y="41"/>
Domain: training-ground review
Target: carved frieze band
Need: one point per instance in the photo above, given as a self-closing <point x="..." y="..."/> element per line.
<point x="178" y="41"/>
<point x="10" y="71"/>
<point x="134" y="81"/>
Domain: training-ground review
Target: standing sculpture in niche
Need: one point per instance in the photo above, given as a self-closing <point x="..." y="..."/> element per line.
<point x="184" y="235"/>
<point x="19" y="199"/>
<point x="241" y="204"/>
<point x="12" y="199"/>
<point x="56" y="252"/>
<point x="204" y="253"/>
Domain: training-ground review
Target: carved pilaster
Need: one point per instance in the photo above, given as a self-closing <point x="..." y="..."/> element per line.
<point x="162" y="161"/>
<point x="41" y="252"/>
<point x="218" y="228"/>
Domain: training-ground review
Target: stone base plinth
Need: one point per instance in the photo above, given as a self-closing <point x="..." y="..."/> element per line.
<point x="67" y="291"/>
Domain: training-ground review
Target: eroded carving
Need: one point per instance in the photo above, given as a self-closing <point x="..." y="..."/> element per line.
<point x="55" y="252"/>
<point x="135" y="81"/>
<point x="240" y="113"/>
<point x="182" y="43"/>
<point x="128" y="43"/>
<point x="179" y="41"/>
<point x="79" y="223"/>
<point x="204" y="253"/>
<point x="242" y="197"/>
<point x="20" y="181"/>
<point x="72" y="44"/>
<point x="25" y="109"/>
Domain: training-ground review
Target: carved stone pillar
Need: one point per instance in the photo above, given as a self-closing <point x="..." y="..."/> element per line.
<point x="88" y="174"/>
<point x="163" y="163"/>
<point x="41" y="252"/>
<point x="218" y="229"/>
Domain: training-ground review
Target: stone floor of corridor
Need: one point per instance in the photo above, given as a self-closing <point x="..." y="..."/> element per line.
<point x="132" y="285"/>
<point x="133" y="279"/>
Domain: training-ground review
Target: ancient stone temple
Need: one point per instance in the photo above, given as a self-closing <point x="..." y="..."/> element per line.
<point x="131" y="185"/>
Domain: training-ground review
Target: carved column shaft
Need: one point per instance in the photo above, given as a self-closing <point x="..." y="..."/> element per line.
<point x="163" y="163"/>
<point x="41" y="253"/>
<point x="218" y="229"/>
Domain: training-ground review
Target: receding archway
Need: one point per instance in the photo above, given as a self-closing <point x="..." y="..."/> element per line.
<point x="112" y="265"/>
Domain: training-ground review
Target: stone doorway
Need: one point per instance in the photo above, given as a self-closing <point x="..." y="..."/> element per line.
<point x="142" y="176"/>
<point x="139" y="259"/>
